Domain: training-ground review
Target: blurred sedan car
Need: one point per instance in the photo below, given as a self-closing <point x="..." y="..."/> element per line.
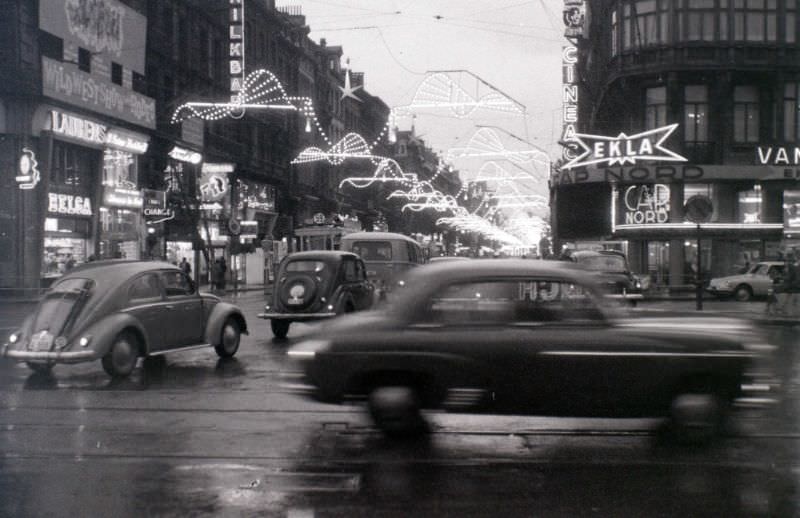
<point x="119" y="311"/>
<point x="317" y="285"/>
<point x="524" y="337"/>
<point x="755" y="283"/>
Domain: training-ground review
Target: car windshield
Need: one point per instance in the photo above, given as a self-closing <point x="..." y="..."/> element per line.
<point x="373" y="250"/>
<point x="603" y="263"/>
<point x="60" y="305"/>
<point x="305" y="266"/>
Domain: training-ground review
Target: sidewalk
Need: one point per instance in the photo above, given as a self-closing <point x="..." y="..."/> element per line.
<point x="754" y="310"/>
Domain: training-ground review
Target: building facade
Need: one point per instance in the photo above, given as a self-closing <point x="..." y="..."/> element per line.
<point x="676" y="99"/>
<point x="96" y="166"/>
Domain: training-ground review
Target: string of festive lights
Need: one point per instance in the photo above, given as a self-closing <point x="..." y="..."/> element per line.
<point x="388" y="171"/>
<point x="440" y="90"/>
<point x="486" y="143"/>
<point x="351" y="145"/>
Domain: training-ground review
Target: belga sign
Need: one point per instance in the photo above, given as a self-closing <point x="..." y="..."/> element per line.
<point x="625" y="149"/>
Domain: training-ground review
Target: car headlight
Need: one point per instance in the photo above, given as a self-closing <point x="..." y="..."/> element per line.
<point x="14" y="338"/>
<point x="84" y="341"/>
<point x="307" y="349"/>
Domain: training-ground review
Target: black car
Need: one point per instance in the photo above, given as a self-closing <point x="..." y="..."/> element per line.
<point x="613" y="274"/>
<point x="317" y="285"/>
<point x="528" y="338"/>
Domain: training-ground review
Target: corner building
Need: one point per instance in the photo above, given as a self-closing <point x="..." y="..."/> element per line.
<point x="727" y="73"/>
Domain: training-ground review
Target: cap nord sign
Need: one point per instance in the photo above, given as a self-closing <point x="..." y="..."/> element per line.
<point x="622" y="149"/>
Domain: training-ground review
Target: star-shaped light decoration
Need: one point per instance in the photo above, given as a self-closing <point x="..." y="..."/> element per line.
<point x="348" y="90"/>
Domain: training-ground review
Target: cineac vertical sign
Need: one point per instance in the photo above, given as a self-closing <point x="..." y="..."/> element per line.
<point x="236" y="53"/>
<point x="569" y="102"/>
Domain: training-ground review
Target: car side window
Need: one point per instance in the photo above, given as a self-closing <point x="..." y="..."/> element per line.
<point x="361" y="270"/>
<point x="176" y="284"/>
<point x="350" y="274"/>
<point x="144" y="287"/>
<point x="512" y="301"/>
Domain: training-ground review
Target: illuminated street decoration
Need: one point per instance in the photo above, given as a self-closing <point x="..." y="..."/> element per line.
<point x="420" y="190"/>
<point x="348" y="90"/>
<point x="438" y="202"/>
<point x="623" y="148"/>
<point x="441" y="90"/>
<point x="493" y="172"/>
<point x="351" y="145"/>
<point x="388" y="171"/>
<point x="486" y="143"/>
<point x="27" y="167"/>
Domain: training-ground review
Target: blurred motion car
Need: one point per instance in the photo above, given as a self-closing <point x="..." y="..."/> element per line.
<point x="512" y="336"/>
<point x="389" y="257"/>
<point x="119" y="311"/>
<point x="757" y="282"/>
<point x="316" y="285"/>
<point x="615" y="277"/>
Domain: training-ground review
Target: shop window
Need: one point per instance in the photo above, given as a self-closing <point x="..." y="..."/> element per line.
<point x="655" y="107"/>
<point x="84" y="59"/>
<point x="116" y="73"/>
<point x="749" y="208"/>
<point x="119" y="169"/>
<point x="791" y="111"/>
<point x="755" y="20"/>
<point x="73" y="167"/>
<point x="700" y="189"/>
<point x="745" y="114"/>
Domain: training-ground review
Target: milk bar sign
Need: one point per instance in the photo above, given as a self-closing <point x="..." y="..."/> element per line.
<point x="625" y="149"/>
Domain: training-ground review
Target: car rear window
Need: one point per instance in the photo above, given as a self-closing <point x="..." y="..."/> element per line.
<point x="373" y="250"/>
<point x="61" y="304"/>
<point x="603" y="263"/>
<point x="305" y="266"/>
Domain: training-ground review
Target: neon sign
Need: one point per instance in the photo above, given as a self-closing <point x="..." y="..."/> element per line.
<point x="69" y="204"/>
<point x="29" y="175"/>
<point x="623" y="148"/>
<point x="569" y="102"/>
<point x="185" y="155"/>
<point x="779" y="156"/>
<point x="236" y="48"/>
<point x="646" y="204"/>
<point x="77" y="128"/>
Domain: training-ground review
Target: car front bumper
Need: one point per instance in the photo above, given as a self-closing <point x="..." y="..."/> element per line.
<point x="296" y="317"/>
<point x="49" y="356"/>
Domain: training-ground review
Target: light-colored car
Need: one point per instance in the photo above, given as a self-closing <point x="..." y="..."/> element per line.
<point x="389" y="257"/>
<point x="119" y="311"/>
<point x="755" y="283"/>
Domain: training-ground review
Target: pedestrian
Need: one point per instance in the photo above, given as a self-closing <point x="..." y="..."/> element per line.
<point x="223" y="269"/>
<point x="185" y="266"/>
<point x="786" y="297"/>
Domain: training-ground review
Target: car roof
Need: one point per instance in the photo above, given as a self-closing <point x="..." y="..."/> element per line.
<point x="115" y="269"/>
<point x="466" y="270"/>
<point x="320" y="255"/>
<point x="375" y="236"/>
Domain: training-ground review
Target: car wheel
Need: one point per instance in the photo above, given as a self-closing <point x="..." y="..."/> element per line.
<point x="229" y="339"/>
<point x="396" y="411"/>
<point x="280" y="328"/>
<point x="121" y="359"/>
<point x="697" y="418"/>
<point x="743" y="293"/>
<point x="40" y="368"/>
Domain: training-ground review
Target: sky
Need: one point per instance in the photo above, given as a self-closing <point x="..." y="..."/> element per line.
<point x="513" y="45"/>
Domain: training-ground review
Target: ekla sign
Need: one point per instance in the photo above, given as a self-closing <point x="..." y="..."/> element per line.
<point x="622" y="149"/>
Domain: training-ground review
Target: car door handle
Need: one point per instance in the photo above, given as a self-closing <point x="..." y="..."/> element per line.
<point x="169" y="306"/>
<point x="431" y="325"/>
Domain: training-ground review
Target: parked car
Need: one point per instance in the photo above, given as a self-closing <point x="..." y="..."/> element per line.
<point x="754" y="283"/>
<point x="317" y="285"/>
<point x="512" y="336"/>
<point x="119" y="311"/>
<point x="614" y="275"/>
<point x="389" y="257"/>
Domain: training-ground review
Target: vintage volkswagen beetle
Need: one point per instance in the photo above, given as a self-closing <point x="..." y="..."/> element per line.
<point x="525" y="337"/>
<point x="118" y="311"/>
<point x="317" y="285"/>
